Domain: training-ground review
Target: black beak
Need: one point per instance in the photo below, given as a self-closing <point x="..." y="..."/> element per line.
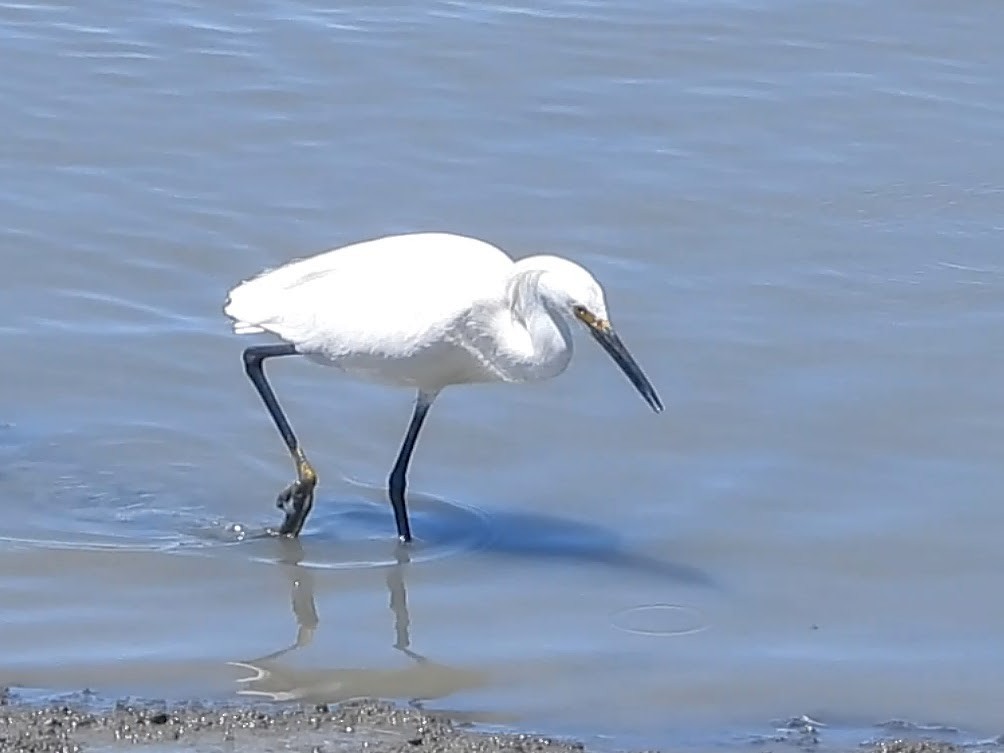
<point x="612" y="344"/>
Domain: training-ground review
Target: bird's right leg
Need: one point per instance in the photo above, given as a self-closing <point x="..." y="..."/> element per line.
<point x="297" y="498"/>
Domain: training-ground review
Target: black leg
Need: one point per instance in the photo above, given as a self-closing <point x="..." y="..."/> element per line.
<point x="297" y="498"/>
<point x="398" y="476"/>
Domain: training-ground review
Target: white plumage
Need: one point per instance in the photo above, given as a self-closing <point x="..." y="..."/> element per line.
<point x="422" y="310"/>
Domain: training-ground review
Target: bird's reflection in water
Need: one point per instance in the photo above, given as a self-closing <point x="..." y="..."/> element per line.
<point x="422" y="679"/>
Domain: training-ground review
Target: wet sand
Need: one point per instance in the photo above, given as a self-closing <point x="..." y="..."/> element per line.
<point x="89" y="722"/>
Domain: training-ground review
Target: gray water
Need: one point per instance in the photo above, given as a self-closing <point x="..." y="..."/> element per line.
<point x="796" y="211"/>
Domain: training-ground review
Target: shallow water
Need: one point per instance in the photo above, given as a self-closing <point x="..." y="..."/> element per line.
<point x="796" y="211"/>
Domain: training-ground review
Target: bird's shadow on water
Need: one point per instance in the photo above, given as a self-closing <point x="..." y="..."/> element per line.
<point x="442" y="527"/>
<point x="547" y="537"/>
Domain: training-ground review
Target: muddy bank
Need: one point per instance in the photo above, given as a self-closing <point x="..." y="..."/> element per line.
<point x="87" y="722"/>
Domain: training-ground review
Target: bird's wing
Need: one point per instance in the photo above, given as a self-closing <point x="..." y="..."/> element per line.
<point x="386" y="295"/>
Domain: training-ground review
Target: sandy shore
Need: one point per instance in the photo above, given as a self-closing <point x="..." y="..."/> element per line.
<point x="92" y="723"/>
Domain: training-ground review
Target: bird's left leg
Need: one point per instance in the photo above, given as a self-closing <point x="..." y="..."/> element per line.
<point x="399" y="474"/>
<point x="297" y="498"/>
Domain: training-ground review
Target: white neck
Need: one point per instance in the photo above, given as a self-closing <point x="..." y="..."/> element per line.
<point x="541" y="343"/>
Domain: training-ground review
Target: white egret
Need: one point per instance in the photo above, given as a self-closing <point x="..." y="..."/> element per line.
<point x="419" y="310"/>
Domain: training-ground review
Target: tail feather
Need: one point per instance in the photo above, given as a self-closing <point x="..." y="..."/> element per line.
<point x="252" y="304"/>
<point x="249" y="305"/>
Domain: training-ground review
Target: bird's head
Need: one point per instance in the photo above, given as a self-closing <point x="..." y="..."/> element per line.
<point x="576" y="295"/>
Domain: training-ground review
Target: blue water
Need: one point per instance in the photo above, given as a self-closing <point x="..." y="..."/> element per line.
<point x="795" y="211"/>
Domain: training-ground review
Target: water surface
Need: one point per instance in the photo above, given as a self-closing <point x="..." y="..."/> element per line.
<point x="796" y="211"/>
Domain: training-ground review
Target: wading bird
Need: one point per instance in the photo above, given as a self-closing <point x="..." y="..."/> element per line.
<point x="418" y="310"/>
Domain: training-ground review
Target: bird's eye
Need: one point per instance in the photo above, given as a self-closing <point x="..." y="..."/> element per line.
<point x="579" y="310"/>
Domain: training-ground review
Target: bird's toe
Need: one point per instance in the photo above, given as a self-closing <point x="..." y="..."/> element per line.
<point x="295" y="501"/>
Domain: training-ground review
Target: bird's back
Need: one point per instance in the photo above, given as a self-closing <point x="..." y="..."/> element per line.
<point x="384" y="298"/>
